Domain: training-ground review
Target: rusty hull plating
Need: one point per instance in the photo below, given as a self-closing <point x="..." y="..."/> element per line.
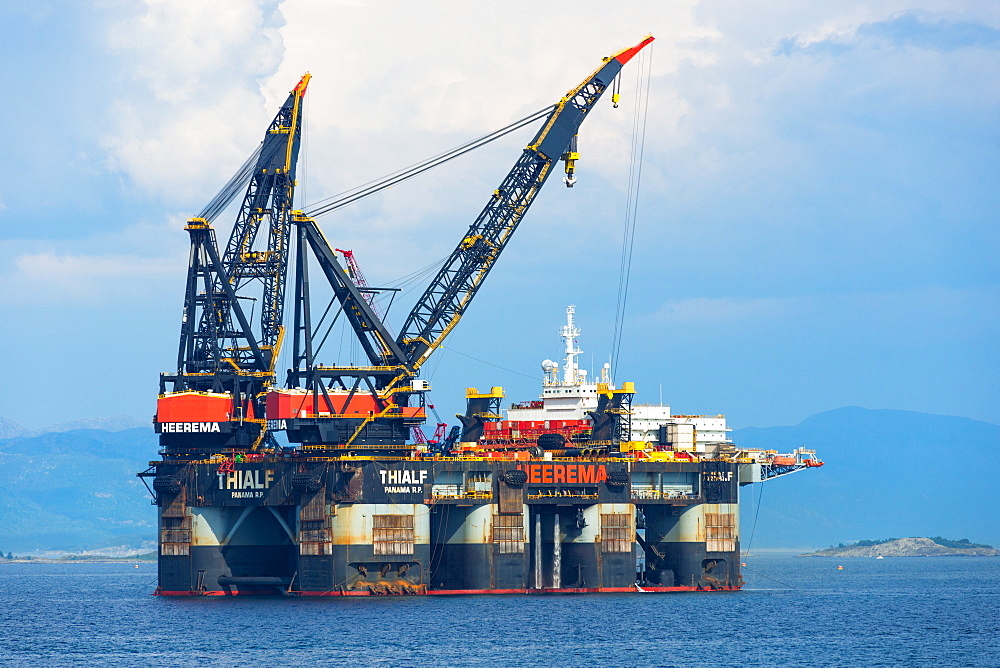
<point x="433" y="525"/>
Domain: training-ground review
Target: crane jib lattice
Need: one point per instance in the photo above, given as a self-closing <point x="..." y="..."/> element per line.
<point x="448" y="296"/>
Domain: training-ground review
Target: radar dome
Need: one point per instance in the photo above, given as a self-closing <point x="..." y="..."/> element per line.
<point x="548" y="366"/>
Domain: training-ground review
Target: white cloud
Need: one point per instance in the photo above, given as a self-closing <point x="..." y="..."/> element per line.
<point x="395" y="82"/>
<point x="731" y="124"/>
<point x="712" y="312"/>
<point x="949" y="312"/>
<point x="52" y="277"/>
<point x="192" y="151"/>
<point x="182" y="51"/>
<point x="190" y="108"/>
<point x="859" y="172"/>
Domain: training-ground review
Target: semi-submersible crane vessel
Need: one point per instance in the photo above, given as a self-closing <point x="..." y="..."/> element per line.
<point x="579" y="491"/>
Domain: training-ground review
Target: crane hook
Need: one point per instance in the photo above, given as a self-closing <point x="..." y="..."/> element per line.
<point x="570" y="157"/>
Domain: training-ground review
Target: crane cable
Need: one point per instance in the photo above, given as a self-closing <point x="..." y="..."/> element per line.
<point x="631" y="205"/>
<point x="237" y="183"/>
<point x="234" y="185"/>
<point x="760" y="493"/>
<point x="749" y="554"/>
<point x="335" y="202"/>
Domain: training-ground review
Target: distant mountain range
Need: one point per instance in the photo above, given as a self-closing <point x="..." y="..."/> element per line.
<point x="75" y="490"/>
<point x="11" y="429"/>
<point x="887" y="473"/>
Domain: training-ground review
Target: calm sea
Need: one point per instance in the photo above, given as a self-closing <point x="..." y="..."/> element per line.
<point x="912" y="612"/>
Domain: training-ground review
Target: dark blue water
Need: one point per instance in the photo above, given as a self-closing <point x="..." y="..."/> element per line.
<point x="913" y="612"/>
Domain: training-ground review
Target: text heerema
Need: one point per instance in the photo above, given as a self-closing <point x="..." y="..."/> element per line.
<point x="189" y="427"/>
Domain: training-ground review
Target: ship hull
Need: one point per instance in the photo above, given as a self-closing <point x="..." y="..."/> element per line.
<point x="459" y="592"/>
<point x="367" y="527"/>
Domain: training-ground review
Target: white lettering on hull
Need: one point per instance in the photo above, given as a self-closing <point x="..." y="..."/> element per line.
<point x="403" y="490"/>
<point x="248" y="495"/>
<point x="403" y="477"/>
<point x="190" y="427"/>
<point x="246" y="479"/>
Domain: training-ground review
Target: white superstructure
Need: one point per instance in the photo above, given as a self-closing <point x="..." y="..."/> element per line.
<point x="571" y="395"/>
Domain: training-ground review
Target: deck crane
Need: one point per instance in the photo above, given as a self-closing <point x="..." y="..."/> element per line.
<point x="372" y="408"/>
<point x="226" y="357"/>
<point x="440" y="427"/>
<point x="223" y="395"/>
<point x="354" y="270"/>
<point x="418" y="436"/>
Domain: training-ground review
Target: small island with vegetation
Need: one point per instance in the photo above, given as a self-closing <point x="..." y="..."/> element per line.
<point x="909" y="547"/>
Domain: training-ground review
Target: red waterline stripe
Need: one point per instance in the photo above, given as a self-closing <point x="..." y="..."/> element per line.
<point x="215" y="593"/>
<point x="460" y="592"/>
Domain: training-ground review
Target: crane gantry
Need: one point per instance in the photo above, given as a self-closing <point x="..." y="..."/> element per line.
<point x="225" y="388"/>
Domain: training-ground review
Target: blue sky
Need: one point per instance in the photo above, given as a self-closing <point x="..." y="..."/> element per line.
<point x="816" y="223"/>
